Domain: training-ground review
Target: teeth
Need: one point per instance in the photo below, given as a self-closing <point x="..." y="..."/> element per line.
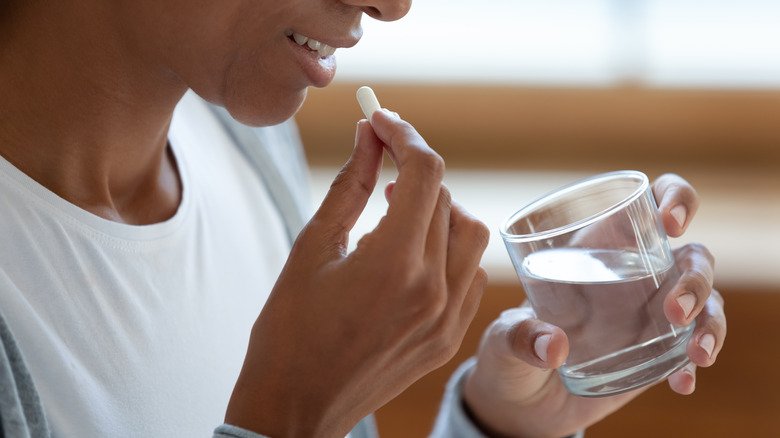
<point x="323" y="49"/>
<point x="300" y="39"/>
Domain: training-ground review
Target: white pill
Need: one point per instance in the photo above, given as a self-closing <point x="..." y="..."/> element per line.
<point x="368" y="101"/>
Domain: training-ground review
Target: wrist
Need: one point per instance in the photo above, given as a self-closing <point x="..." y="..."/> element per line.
<point x="493" y="406"/>
<point x="269" y="407"/>
<point x="484" y="410"/>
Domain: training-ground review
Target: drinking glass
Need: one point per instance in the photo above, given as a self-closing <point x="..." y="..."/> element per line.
<point x="594" y="260"/>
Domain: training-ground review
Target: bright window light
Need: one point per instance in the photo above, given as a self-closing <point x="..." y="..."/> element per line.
<point x="573" y="42"/>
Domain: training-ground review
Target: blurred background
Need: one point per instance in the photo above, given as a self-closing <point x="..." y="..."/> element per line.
<point x="522" y="96"/>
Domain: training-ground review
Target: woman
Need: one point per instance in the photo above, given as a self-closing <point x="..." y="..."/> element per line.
<point x="142" y="238"/>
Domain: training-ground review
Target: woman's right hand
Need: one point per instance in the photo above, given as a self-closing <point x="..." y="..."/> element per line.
<point x="342" y="334"/>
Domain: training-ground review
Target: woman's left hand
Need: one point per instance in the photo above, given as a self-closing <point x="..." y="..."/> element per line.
<point x="514" y="389"/>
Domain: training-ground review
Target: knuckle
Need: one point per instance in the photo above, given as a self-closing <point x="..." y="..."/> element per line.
<point x="704" y="251"/>
<point x="365" y="242"/>
<point x="718" y="323"/>
<point x="345" y="182"/>
<point x="518" y="335"/>
<point x="329" y="229"/>
<point x="481" y="278"/>
<point x="679" y="187"/>
<point x="433" y="301"/>
<point x="694" y="250"/>
<point x="320" y="227"/>
<point x="674" y="187"/>
<point x="672" y="180"/>
<point x="435" y="164"/>
<point x="429" y="298"/>
<point x="429" y="162"/>
<point x="696" y="247"/>
<point x="481" y="234"/>
<point x="697" y="282"/>
<point x="718" y="297"/>
<point x="443" y="347"/>
<point x="402" y="273"/>
<point x="405" y="129"/>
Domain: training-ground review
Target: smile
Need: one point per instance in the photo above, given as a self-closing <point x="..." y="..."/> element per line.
<point x="313" y="45"/>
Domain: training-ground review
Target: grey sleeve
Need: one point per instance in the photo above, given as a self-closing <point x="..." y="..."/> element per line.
<point x="453" y="421"/>
<point x="365" y="429"/>
<point x="21" y="413"/>
<point x="228" y="431"/>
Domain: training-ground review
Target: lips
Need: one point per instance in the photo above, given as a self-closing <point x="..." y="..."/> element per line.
<point x="318" y="69"/>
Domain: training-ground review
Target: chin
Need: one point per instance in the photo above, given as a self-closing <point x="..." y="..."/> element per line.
<point x="264" y="108"/>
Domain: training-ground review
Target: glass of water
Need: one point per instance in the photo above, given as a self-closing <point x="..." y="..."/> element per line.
<point x="594" y="260"/>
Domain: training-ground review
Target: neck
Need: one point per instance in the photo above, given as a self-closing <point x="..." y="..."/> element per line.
<point x="84" y="114"/>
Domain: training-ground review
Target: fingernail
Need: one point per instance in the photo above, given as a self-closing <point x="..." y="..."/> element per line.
<point x="687" y="301"/>
<point x="357" y="136"/>
<point x="678" y="213"/>
<point x="690" y="370"/>
<point x="707" y="342"/>
<point x="540" y="346"/>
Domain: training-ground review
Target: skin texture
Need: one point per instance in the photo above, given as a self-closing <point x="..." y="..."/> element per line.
<point x="115" y="70"/>
<point x="89" y="91"/>
<point x="378" y="318"/>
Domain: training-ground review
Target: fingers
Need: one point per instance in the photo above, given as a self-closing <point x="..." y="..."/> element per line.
<point x="471" y="300"/>
<point x="439" y="231"/>
<point x="349" y="192"/>
<point x="457" y="237"/>
<point x="683" y="381"/>
<point x="420" y="172"/>
<point x="677" y="202"/>
<point x="465" y="241"/>
<point x="710" y="333"/>
<point x="688" y="297"/>
<point x="468" y="239"/>
<point x="537" y="343"/>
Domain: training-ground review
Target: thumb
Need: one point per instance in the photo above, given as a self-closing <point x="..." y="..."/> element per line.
<point x="349" y="192"/>
<point x="537" y="343"/>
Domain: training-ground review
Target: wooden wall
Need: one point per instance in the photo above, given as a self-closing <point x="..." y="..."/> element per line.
<point x="562" y="128"/>
<point x="737" y="397"/>
<point x="536" y="128"/>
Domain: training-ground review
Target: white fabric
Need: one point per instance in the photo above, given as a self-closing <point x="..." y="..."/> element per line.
<point x="133" y="331"/>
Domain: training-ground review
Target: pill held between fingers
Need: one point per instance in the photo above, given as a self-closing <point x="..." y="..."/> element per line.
<point x="368" y="101"/>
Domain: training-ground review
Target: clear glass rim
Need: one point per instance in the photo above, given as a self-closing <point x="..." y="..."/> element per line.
<point x="644" y="183"/>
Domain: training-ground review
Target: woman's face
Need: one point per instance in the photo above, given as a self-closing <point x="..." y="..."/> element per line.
<point x="246" y="55"/>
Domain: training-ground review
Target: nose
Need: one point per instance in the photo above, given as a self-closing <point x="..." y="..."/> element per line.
<point x="385" y="10"/>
